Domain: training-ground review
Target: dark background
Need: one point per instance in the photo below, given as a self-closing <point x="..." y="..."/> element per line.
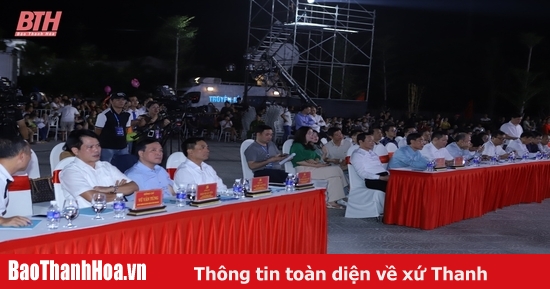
<point x="440" y="44"/>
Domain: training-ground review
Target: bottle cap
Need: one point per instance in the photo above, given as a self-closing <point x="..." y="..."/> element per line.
<point x="119" y="195"/>
<point x="53" y="202"/>
<point x="237" y="180"/>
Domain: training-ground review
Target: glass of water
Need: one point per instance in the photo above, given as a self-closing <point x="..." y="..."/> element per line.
<point x="70" y="211"/>
<point x="99" y="203"/>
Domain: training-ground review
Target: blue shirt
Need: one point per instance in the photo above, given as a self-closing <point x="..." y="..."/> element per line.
<point x="407" y="157"/>
<point x="149" y="179"/>
<point x="456" y="151"/>
<point x="303" y="120"/>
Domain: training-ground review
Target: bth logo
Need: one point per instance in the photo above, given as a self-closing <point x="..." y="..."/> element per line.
<point x="30" y="22"/>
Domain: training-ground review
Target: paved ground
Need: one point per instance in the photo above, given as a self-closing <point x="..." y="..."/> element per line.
<point x="521" y="229"/>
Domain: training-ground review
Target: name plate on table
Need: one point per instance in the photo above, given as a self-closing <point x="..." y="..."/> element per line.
<point x="458" y="162"/>
<point x="207" y="194"/>
<point x="304" y="181"/>
<point x="440" y="163"/>
<point x="259" y="186"/>
<point x="147" y="202"/>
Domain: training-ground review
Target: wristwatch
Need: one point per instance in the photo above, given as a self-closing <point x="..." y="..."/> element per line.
<point x="115" y="188"/>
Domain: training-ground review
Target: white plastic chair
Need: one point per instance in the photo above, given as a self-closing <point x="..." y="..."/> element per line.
<point x="33" y="169"/>
<point x="54" y="155"/>
<point x="289" y="168"/>
<point x="173" y="162"/>
<point x="381" y="151"/>
<point x="362" y="201"/>
<point x="20" y="201"/>
<point x="59" y="195"/>
<point x="391" y="148"/>
<point x="247" y="172"/>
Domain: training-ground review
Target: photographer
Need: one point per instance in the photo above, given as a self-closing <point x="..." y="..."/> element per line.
<point x="12" y="123"/>
<point x="152" y="123"/>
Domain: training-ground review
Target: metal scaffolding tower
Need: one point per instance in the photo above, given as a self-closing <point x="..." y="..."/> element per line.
<point x="320" y="50"/>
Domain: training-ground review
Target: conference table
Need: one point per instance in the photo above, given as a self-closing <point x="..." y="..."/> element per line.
<point x="428" y="200"/>
<point x="282" y="223"/>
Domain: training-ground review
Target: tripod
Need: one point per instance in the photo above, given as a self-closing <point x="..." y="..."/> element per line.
<point x="177" y="130"/>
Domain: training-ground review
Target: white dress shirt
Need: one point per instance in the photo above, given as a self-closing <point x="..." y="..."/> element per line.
<point x="367" y="164"/>
<point x="402" y="142"/>
<point x="511" y="130"/>
<point x="190" y="173"/>
<point x="543" y="148"/>
<point x="137" y="112"/>
<point x="4" y="177"/>
<point x="337" y="152"/>
<point x="78" y="177"/>
<point x="490" y="149"/>
<point x="518" y="147"/>
<point x="319" y="122"/>
<point x="430" y="152"/>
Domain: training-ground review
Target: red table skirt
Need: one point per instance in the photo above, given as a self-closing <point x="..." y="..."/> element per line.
<point x="430" y="200"/>
<point x="289" y="224"/>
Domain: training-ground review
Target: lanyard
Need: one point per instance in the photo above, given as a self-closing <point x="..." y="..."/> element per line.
<point x="116" y="116"/>
<point x="266" y="149"/>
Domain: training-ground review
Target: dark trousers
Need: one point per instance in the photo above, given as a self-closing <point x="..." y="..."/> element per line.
<point x="275" y="176"/>
<point x="377" y="184"/>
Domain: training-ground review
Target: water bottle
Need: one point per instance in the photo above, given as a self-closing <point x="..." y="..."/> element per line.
<point x="238" y="189"/>
<point x="181" y="196"/>
<point x="511" y="157"/>
<point x="539" y="156"/>
<point x="430" y="166"/>
<point x="289" y="183"/>
<point x="119" y="206"/>
<point x="544" y="156"/>
<point x="246" y="186"/>
<point x="494" y="160"/>
<point x="476" y="161"/>
<point x="525" y="156"/>
<point x="53" y="216"/>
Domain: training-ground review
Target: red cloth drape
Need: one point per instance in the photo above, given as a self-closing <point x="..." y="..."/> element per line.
<point x="295" y="223"/>
<point x="430" y="200"/>
<point x="20" y="183"/>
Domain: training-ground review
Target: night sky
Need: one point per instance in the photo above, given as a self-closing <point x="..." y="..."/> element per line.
<point x="426" y="31"/>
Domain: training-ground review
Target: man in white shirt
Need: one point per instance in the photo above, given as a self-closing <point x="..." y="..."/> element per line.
<point x="194" y="170"/>
<point x="68" y="116"/>
<point x="519" y="146"/>
<point x="319" y="121"/>
<point x="87" y="175"/>
<point x="287" y="122"/>
<point x="368" y="165"/>
<point x="436" y="149"/>
<point x="134" y="111"/>
<point x="379" y="148"/>
<point x="543" y="144"/>
<point x="512" y="129"/>
<point x="337" y="148"/>
<point x="494" y="146"/>
<point x="15" y="154"/>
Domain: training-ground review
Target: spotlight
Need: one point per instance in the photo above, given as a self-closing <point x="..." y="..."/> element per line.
<point x="210" y="88"/>
<point x="310" y="1"/>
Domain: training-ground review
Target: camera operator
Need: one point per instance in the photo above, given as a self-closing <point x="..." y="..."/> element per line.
<point x="152" y="123"/>
<point x="12" y="123"/>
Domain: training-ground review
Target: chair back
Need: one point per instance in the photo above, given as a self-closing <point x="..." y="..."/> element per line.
<point x="59" y="195"/>
<point x="247" y="172"/>
<point x="289" y="168"/>
<point x="124" y="162"/>
<point x="381" y="151"/>
<point x="173" y="162"/>
<point x="33" y="169"/>
<point x="54" y="155"/>
<point x="20" y="199"/>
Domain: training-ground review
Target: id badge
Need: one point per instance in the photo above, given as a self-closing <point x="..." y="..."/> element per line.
<point x="119" y="131"/>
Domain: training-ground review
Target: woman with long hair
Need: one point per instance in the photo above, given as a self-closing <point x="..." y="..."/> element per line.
<point x="307" y="160"/>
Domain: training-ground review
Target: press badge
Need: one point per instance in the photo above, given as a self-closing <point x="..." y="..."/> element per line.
<point x="119" y="131"/>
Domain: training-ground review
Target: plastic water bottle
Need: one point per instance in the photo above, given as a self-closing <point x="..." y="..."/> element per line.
<point x="289" y="183"/>
<point x="119" y="206"/>
<point x="539" y="156"/>
<point x="476" y="161"/>
<point x="430" y="166"/>
<point x="53" y="216"/>
<point x="511" y="157"/>
<point x="181" y="196"/>
<point x="494" y="160"/>
<point x="525" y="156"/>
<point x="238" y="189"/>
<point x="544" y="156"/>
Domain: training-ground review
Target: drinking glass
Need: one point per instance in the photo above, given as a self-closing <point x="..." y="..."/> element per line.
<point x="99" y="202"/>
<point x="191" y="191"/>
<point x="70" y="211"/>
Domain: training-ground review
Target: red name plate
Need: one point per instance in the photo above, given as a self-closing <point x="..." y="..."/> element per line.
<point x="459" y="161"/>
<point x="260" y="184"/>
<point x="440" y="163"/>
<point x="304" y="178"/>
<point x="148" y="199"/>
<point x="206" y="192"/>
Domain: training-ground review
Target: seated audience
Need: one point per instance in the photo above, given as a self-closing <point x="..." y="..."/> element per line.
<point x="87" y="175"/>
<point x="409" y="156"/>
<point x="436" y="149"/>
<point x="263" y="156"/>
<point x="519" y="146"/>
<point x="147" y="172"/>
<point x="306" y="160"/>
<point x="194" y="170"/>
<point x="368" y="165"/>
<point x="494" y="146"/>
